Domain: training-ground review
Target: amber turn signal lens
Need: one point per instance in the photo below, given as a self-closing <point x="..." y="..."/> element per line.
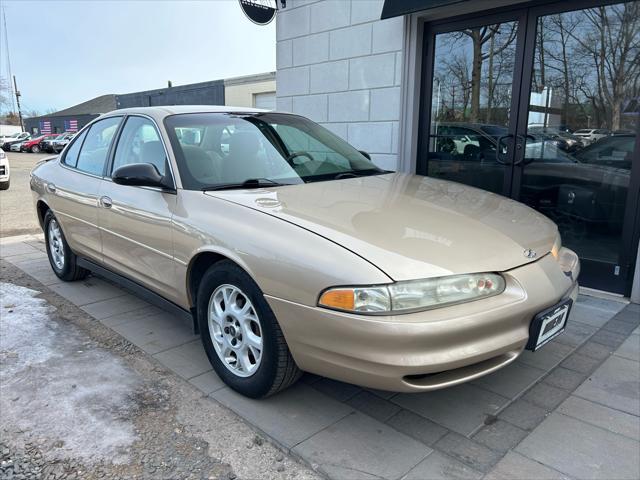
<point x="340" y="299"/>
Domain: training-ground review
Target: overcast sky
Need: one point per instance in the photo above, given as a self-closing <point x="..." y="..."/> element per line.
<point x="66" y="52"/>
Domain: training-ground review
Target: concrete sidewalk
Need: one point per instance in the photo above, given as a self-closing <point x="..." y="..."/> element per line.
<point x="570" y="410"/>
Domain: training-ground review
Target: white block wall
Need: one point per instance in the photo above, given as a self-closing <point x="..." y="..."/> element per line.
<point x="339" y="65"/>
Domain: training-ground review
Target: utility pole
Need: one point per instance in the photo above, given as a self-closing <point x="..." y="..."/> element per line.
<point x="17" y="92"/>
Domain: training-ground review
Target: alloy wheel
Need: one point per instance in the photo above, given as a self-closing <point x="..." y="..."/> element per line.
<point x="235" y="330"/>
<point x="56" y="246"/>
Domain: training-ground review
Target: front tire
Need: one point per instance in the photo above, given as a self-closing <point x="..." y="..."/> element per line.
<point x="35" y="149"/>
<point x="5" y="185"/>
<point x="63" y="261"/>
<point x="241" y="335"/>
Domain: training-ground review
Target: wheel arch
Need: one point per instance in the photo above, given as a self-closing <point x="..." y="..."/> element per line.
<point x="42" y="207"/>
<point x="200" y="263"/>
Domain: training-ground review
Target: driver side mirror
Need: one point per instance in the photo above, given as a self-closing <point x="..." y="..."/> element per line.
<point x="140" y="175"/>
<point x="365" y="154"/>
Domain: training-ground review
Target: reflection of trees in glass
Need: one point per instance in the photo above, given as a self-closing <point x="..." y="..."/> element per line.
<point x="592" y="59"/>
<point x="473" y="73"/>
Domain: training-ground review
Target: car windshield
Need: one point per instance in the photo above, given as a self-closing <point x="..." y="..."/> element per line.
<point x="218" y="149"/>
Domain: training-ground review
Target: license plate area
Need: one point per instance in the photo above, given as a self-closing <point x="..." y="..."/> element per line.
<point x="548" y="324"/>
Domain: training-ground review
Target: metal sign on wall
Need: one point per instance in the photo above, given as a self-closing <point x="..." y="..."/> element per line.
<point x="260" y="12"/>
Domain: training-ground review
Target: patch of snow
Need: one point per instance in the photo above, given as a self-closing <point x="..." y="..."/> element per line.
<point x="58" y="385"/>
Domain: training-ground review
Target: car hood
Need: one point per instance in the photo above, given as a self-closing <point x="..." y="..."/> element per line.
<point x="410" y="226"/>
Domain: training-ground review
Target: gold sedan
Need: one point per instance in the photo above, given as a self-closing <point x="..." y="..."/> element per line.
<point x="291" y="251"/>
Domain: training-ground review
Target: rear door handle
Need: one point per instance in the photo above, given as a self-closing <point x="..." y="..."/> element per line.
<point x="51" y="188"/>
<point x="105" y="202"/>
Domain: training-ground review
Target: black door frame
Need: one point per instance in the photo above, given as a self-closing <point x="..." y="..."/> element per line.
<point x="600" y="274"/>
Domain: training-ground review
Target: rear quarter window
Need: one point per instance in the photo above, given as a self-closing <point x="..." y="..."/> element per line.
<point x="71" y="156"/>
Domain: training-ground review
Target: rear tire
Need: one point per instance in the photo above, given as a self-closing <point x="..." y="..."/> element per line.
<point x="268" y="372"/>
<point x="63" y="261"/>
<point x="35" y="149"/>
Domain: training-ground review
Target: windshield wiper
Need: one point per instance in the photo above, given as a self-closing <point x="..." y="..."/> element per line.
<point x="248" y="183"/>
<point x="360" y="173"/>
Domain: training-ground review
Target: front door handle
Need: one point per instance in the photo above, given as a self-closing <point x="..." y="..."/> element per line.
<point x="51" y="188"/>
<point x="105" y="202"/>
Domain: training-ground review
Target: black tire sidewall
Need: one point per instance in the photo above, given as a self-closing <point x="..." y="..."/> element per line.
<point x="260" y="383"/>
<point x="66" y="273"/>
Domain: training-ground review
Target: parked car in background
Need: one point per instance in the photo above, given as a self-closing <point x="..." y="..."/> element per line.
<point x="591" y="135"/>
<point x="59" y="143"/>
<point x="291" y="251"/>
<point x="15" y="146"/>
<point x="47" y="144"/>
<point x="5" y="171"/>
<point x="13" y="136"/>
<point x="6" y="145"/>
<point x="33" y="145"/>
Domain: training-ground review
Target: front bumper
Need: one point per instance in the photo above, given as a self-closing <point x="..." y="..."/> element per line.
<point x="432" y="349"/>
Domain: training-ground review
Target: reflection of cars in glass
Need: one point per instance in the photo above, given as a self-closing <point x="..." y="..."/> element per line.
<point x="615" y="151"/>
<point x="294" y="252"/>
<point x="589" y="185"/>
<point x="565" y="140"/>
<point x="5" y="171"/>
<point x="591" y="134"/>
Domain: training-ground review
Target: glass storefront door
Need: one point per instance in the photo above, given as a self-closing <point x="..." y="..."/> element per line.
<point x="541" y="104"/>
<point x="580" y="126"/>
<point x="472" y="97"/>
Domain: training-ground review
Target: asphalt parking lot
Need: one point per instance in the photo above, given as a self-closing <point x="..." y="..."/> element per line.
<point x="17" y="215"/>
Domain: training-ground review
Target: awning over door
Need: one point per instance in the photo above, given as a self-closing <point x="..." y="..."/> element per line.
<point x="395" y="8"/>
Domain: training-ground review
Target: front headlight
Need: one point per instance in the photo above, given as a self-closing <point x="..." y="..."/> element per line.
<point x="413" y="295"/>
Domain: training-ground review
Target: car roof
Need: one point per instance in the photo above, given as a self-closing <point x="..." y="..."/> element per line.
<point x="165" y="111"/>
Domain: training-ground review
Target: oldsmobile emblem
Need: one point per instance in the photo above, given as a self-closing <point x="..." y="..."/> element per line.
<point x="530" y="253"/>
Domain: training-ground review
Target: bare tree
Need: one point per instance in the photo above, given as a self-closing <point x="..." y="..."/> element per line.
<point x="612" y="43"/>
<point x="5" y="93"/>
<point x="479" y="37"/>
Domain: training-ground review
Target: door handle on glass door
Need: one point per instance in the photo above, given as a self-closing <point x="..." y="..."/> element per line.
<point x="499" y="149"/>
<point x="105" y="202"/>
<point x="521" y="143"/>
